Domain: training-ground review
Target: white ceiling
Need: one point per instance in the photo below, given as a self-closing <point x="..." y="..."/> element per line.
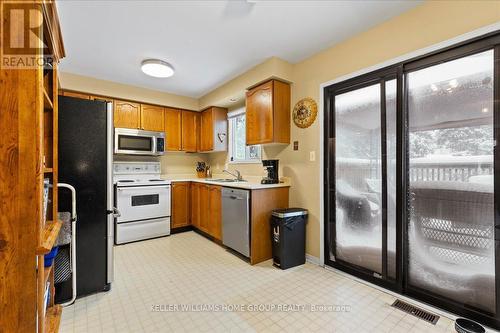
<point x="207" y="42"/>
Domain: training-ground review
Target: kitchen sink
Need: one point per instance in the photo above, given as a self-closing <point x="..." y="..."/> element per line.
<point x="224" y="180"/>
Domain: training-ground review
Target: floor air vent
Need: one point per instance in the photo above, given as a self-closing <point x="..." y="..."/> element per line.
<point x="414" y="311"/>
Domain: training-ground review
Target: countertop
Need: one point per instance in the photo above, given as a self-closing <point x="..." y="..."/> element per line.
<point x="252" y="182"/>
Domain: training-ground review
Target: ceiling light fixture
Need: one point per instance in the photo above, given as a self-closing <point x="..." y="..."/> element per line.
<point x="157" y="68"/>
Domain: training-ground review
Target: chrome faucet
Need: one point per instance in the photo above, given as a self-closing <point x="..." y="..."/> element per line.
<point x="237" y="175"/>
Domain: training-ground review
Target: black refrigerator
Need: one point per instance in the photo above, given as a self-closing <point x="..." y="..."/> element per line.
<point x="85" y="162"/>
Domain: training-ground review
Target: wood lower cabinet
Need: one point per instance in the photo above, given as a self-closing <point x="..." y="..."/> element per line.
<point x="173" y="129"/>
<point x="262" y="203"/>
<point x="204" y="208"/>
<point x="198" y="205"/>
<point x="190" y="129"/>
<point x="195" y="205"/>
<point x="152" y="118"/>
<point x="181" y="204"/>
<point x="127" y="114"/>
<point x="268" y="113"/>
<point x="215" y="212"/>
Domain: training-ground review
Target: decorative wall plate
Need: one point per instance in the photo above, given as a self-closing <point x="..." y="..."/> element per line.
<point x="305" y="112"/>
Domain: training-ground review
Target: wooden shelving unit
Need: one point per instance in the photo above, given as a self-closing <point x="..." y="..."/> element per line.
<point x="48" y="320"/>
<point x="29" y="127"/>
<point x="50" y="233"/>
<point x="53" y="319"/>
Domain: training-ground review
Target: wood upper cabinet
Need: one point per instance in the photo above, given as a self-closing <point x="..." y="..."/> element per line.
<point x="190" y="129"/>
<point x="206" y="130"/>
<point x="268" y="113"/>
<point x="152" y="118"/>
<point x="195" y="205"/>
<point x="173" y="129"/>
<point x="213" y="129"/>
<point x="204" y="206"/>
<point x="127" y="114"/>
<point x="101" y="98"/>
<point x="181" y="204"/>
<point x="85" y="96"/>
<point x="215" y="212"/>
<point x="74" y="94"/>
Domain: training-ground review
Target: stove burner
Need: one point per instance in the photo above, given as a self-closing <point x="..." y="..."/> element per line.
<point x="126" y="181"/>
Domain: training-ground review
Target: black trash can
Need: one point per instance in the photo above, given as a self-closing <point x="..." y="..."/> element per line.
<point x="288" y="237"/>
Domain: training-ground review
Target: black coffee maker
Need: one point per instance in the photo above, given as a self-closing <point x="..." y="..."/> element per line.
<point x="271" y="167"/>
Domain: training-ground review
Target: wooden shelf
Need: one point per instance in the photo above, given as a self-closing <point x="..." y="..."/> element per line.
<point x="53" y="319"/>
<point x="46" y="273"/>
<point x="47" y="170"/>
<point x="49" y="236"/>
<point x="47" y="101"/>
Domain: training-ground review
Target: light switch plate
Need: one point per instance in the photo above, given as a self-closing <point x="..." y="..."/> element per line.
<point x="312" y="156"/>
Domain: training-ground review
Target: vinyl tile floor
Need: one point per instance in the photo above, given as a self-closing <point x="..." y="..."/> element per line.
<point x="186" y="283"/>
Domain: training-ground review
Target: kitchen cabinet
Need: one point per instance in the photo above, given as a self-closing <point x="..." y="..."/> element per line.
<point x="204" y="217"/>
<point x="152" y="118"/>
<point x="215" y="212"/>
<point x="139" y="116"/>
<point x="173" y="129"/>
<point x="190" y="129"/>
<point x="181" y="204"/>
<point x="195" y="205"/>
<point x="213" y="129"/>
<point x="75" y="94"/>
<point x="127" y="114"/>
<point x="268" y="113"/>
<point x="101" y="98"/>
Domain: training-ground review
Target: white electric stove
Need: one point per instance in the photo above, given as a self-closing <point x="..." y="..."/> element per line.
<point x="143" y="201"/>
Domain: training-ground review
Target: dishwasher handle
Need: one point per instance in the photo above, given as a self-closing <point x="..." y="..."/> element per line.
<point x="235" y="197"/>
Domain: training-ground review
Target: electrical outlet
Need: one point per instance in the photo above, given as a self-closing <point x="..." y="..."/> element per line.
<point x="312" y="156"/>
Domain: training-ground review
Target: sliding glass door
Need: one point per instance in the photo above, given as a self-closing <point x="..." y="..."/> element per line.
<point x="451" y="248"/>
<point x="363" y="229"/>
<point x="413" y="176"/>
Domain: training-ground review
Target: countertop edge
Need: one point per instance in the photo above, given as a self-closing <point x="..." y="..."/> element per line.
<point x="242" y="185"/>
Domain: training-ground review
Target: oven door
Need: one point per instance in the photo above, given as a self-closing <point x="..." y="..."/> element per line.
<point x="142" y="202"/>
<point x="134" y="142"/>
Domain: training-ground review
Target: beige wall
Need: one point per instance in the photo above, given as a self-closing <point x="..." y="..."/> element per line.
<point x="181" y="163"/>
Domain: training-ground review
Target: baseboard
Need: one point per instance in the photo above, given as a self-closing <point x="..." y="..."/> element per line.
<point x="313" y="260"/>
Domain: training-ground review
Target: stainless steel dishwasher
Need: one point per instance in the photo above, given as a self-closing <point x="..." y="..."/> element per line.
<point x="236" y="220"/>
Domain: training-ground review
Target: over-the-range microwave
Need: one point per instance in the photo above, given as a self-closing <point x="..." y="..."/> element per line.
<point x="139" y="142"/>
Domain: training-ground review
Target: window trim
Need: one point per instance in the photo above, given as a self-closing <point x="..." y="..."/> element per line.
<point x="230" y="118"/>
